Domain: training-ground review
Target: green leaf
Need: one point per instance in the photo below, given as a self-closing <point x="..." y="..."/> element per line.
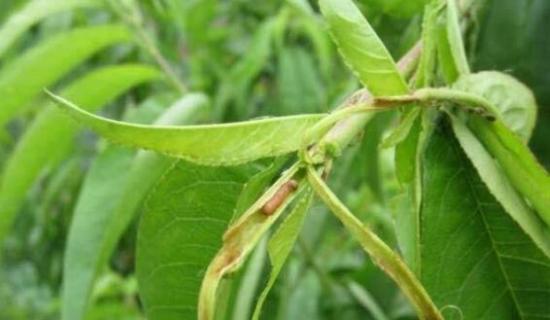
<point x="242" y="237"/>
<point x="513" y="99"/>
<point x="114" y="188"/>
<point x="361" y="48"/>
<point x="240" y="77"/>
<point x="527" y="176"/>
<point x="228" y="144"/>
<point x="280" y="245"/>
<point x="402" y="131"/>
<point x="49" y="61"/>
<point x="33" y="12"/>
<point x="406" y="152"/>
<point x="477" y="263"/>
<point x="382" y="255"/>
<point x="499" y="186"/>
<point x="181" y="231"/>
<point x="51" y="135"/>
<point x="298" y="84"/>
<point x="454" y="38"/>
<point x="426" y="65"/>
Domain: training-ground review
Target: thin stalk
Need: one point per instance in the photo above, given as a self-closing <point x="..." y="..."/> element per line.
<point x="430" y="95"/>
<point x="381" y="254"/>
<point x="134" y="21"/>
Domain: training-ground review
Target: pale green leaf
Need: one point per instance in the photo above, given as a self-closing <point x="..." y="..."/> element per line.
<point x="22" y="79"/>
<point x="515" y="101"/>
<point x="220" y="144"/>
<point x="51" y="135"/>
<point x="282" y="242"/>
<point x="454" y="38"/>
<point x="477" y="263"/>
<point x="521" y="167"/>
<point x="401" y="132"/>
<point x="361" y="48"/>
<point x="181" y="231"/>
<point x="33" y="12"/>
<point x="114" y="188"/>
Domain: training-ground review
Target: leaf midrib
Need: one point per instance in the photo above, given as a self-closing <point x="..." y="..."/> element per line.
<point x="479" y="209"/>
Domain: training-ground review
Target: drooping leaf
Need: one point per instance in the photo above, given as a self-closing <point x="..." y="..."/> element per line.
<point x="114" y="188"/>
<point x="382" y="255"/>
<point x="33" y="12"/>
<point x="513" y="99"/>
<point x="476" y="262"/>
<point x="181" y="231"/>
<point x="500" y="187"/>
<point x="521" y="167"/>
<point x="21" y="80"/>
<point x="280" y="245"/>
<point x="361" y="48"/>
<point x="243" y="235"/>
<point x="51" y="135"/>
<point x="228" y="144"/>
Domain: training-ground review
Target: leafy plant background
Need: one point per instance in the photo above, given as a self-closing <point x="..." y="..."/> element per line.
<point x="244" y="59"/>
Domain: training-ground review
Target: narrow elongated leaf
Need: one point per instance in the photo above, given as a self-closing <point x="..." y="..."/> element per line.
<point x="33" y="12"/>
<point x="529" y="178"/>
<point x="181" y="231"/>
<point x="477" y="263"/>
<point x="454" y="37"/>
<point x="227" y="144"/>
<point x="51" y="135"/>
<point x="107" y="205"/>
<point x="298" y="84"/>
<point x="514" y="100"/>
<point x="361" y="48"/>
<point x="240" y="77"/>
<point x="280" y="245"/>
<point x="21" y="80"/>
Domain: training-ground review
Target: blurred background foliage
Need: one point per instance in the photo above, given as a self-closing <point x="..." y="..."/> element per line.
<point x="252" y="59"/>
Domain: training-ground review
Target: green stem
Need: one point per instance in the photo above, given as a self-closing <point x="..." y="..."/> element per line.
<point x="430" y="95"/>
<point x="380" y="252"/>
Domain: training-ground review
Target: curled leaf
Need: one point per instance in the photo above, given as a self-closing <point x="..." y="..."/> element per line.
<point x="216" y="145"/>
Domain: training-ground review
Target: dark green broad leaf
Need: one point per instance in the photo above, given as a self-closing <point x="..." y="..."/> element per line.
<point x="181" y="231"/>
<point x="228" y="143"/>
<point x="501" y="188"/>
<point x="51" y="135"/>
<point x="513" y="99"/>
<point x="33" y="12"/>
<point x="42" y="66"/>
<point x="115" y="186"/>
<point x="361" y="48"/>
<point x="476" y="262"/>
